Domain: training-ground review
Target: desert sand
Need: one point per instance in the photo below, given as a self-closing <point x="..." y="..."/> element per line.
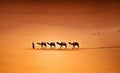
<point x="28" y="60"/>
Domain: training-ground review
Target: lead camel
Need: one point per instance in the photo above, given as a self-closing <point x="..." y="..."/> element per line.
<point x="43" y="44"/>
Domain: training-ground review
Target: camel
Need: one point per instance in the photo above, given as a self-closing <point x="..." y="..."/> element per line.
<point x="62" y="44"/>
<point x="74" y="44"/>
<point x="43" y="44"/>
<point x="52" y="44"/>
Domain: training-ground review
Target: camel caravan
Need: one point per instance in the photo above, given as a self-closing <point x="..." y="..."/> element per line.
<point x="63" y="45"/>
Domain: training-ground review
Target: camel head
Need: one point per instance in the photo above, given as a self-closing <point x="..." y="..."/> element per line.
<point x="38" y="43"/>
<point x="48" y="43"/>
<point x="57" y="42"/>
<point x="69" y="42"/>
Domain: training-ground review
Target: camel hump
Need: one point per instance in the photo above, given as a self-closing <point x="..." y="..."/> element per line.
<point x="53" y="42"/>
<point x="75" y="42"/>
<point x="63" y="42"/>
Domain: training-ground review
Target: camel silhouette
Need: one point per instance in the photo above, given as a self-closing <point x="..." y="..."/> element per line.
<point x="74" y="44"/>
<point x="62" y="44"/>
<point x="43" y="44"/>
<point x="52" y="44"/>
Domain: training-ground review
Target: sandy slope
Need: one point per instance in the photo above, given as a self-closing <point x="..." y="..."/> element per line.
<point x="26" y="60"/>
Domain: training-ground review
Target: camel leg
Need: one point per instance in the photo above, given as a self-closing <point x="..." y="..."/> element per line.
<point x="41" y="46"/>
<point x="53" y="46"/>
<point x="61" y="46"/>
<point x="50" y="46"/>
<point x="66" y="47"/>
<point x="73" y="46"/>
<point x="78" y="46"/>
<point x="46" y="46"/>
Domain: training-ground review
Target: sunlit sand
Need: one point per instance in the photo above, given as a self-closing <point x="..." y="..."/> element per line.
<point x="30" y="60"/>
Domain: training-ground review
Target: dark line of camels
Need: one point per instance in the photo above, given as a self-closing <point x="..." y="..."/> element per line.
<point x="53" y="44"/>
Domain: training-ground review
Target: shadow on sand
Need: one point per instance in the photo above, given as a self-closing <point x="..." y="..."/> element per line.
<point x="54" y="49"/>
<point x="68" y="49"/>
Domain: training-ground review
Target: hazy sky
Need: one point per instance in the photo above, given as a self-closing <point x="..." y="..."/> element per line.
<point x="90" y="22"/>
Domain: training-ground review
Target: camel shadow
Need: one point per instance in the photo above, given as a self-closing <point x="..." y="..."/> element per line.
<point x="54" y="49"/>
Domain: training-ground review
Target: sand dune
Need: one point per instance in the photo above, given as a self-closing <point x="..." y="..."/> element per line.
<point x="27" y="60"/>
